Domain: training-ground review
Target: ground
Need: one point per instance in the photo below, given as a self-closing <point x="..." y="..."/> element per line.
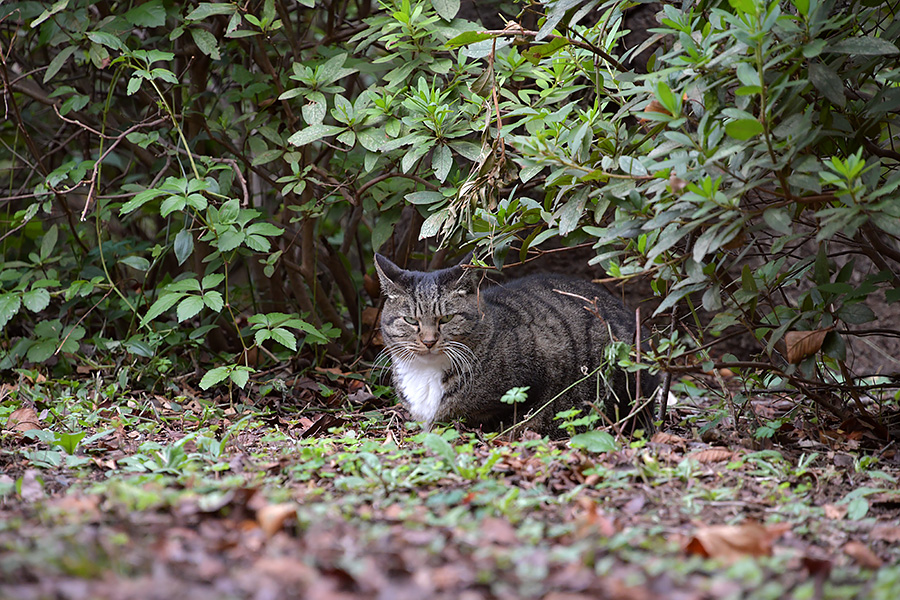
<point x="325" y="492"/>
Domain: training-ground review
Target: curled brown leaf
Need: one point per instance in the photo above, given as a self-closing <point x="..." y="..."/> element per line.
<point x="732" y="542"/>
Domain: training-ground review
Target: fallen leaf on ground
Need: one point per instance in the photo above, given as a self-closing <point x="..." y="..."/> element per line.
<point x="272" y="517"/>
<point x="862" y="554"/>
<point x="712" y="455"/>
<point x="835" y="512"/>
<point x="32" y="489"/>
<point x="661" y="437"/>
<point x="732" y="542"/>
<point x="23" y="419"/>
<point x="634" y="506"/>
<point x="885" y="532"/>
<point x="498" y="531"/>
<point x="592" y="518"/>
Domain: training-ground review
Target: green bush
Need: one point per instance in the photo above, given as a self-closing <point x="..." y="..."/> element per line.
<point x="210" y="180"/>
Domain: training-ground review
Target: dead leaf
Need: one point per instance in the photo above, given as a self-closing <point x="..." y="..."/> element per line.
<point x="593" y="519"/>
<point x="656" y="107"/>
<point x="835" y="512"/>
<point x="284" y="570"/>
<point x="497" y="531"/>
<point x="711" y="455"/>
<point x="677" y="184"/>
<point x="635" y="505"/>
<point x="885" y="532"/>
<point x="863" y="555"/>
<point x="23" y="419"/>
<point x="800" y="344"/>
<point x="272" y="517"/>
<point x="732" y="542"/>
<point x="667" y="438"/>
<point x="32" y="488"/>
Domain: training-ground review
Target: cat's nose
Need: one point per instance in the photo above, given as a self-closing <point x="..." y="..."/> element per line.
<point x="429" y="343"/>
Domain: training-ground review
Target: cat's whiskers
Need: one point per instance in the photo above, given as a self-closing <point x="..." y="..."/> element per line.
<point x="462" y="359"/>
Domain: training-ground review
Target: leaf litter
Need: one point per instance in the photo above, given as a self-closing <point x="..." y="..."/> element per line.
<point x="339" y="498"/>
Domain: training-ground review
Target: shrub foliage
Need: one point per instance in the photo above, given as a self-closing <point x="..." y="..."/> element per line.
<point x="208" y="180"/>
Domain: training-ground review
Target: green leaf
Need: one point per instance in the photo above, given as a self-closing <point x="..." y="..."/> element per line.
<point x="865" y="46"/>
<point x="424" y="197"/>
<point x="261" y="336"/>
<point x="284" y="337"/>
<point x="594" y="441"/>
<point x="633" y="166"/>
<point x="441" y="161"/>
<point x="208" y="9"/>
<point x="211" y="280"/>
<point x="266" y="157"/>
<point x="266" y="229"/>
<point x="172" y="204"/>
<point x="206" y="42"/>
<point x="41" y="350"/>
<point x="134" y="84"/>
<point x="189" y="307"/>
<point x="372" y="139"/>
<point x="743" y="129"/>
<point x="240" y="376"/>
<point x="857" y="508"/>
<point x="570" y="213"/>
<point x="162" y="304"/>
<point x="442" y="448"/>
<point x="229" y="211"/>
<point x="855" y="314"/>
<point x="433" y="224"/>
<point x="778" y="219"/>
<point x="48" y="243"/>
<point x="57" y="7"/>
<point x="231" y="239"/>
<point x="555" y="14"/>
<point x="826" y="81"/>
<point x="58" y="61"/>
<point x="9" y="307"/>
<point x="188" y="284"/>
<point x="313" y="133"/>
<point x="333" y="69"/>
<point x="106" y="39"/>
<point x="136" y="262"/>
<point x="447" y="9"/>
<point x="211" y="378"/>
<point x="313" y="111"/>
<point x="213" y="300"/>
<point x="68" y="441"/>
<point x="258" y="243"/>
<point x="184" y="245"/>
<point x="515" y="395"/>
<point x="466" y="38"/>
<point x="148" y="14"/>
<point x="36" y="300"/>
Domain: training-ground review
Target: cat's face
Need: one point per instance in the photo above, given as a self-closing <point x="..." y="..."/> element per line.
<point x="426" y="313"/>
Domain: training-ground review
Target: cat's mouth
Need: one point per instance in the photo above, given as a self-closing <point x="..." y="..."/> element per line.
<point x="425" y="350"/>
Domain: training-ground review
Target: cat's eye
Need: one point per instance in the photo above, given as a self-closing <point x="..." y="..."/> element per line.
<point x="446" y="319"/>
<point x="411" y="320"/>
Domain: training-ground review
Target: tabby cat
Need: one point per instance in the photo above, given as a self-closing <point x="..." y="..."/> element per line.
<point x="457" y="348"/>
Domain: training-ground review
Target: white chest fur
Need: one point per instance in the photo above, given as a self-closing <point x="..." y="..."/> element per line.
<point x="420" y="382"/>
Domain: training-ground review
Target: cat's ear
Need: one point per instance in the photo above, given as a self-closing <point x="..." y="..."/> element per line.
<point x="389" y="274"/>
<point x="464" y="280"/>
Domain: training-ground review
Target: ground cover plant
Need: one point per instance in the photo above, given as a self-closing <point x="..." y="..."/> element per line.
<point x="192" y="195"/>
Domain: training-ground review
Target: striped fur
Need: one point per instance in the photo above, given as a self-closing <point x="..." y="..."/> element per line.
<point x="457" y="347"/>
